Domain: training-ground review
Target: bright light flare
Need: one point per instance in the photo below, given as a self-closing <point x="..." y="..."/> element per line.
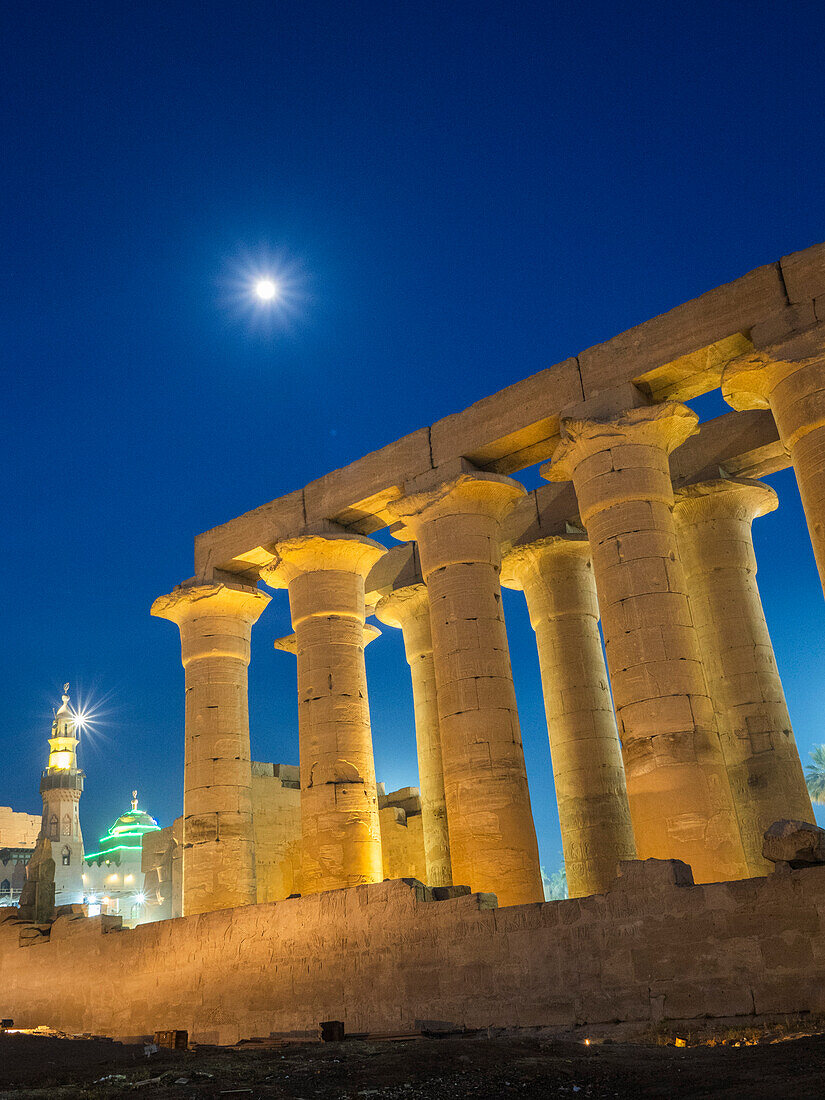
<point x="267" y="289"/>
<point x="140" y="898"/>
<point x="264" y="289"/>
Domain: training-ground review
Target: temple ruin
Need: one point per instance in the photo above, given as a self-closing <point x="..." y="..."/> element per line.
<point x="672" y="743"/>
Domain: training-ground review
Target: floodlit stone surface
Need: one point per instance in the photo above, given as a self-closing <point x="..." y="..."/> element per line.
<point x="382" y="957"/>
<point x="457" y="528"/>
<point x="324" y="575"/>
<point x="789" y="378"/>
<point x="215" y="622"/>
<point x="713" y="524"/>
<point x="408" y="609"/>
<point x="556" y="577"/>
<point x="677" y="783"/>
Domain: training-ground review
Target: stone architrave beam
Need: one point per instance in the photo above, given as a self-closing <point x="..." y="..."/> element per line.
<point x="675" y="356"/>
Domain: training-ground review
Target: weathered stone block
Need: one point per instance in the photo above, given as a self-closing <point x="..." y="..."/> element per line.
<point x="795" y="842"/>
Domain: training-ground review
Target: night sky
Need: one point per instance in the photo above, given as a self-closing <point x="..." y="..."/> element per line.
<point x="454" y="195"/>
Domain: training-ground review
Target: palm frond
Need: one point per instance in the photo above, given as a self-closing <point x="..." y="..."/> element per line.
<point x="815" y="775"/>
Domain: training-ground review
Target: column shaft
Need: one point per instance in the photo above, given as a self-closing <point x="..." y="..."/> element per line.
<point x="713" y="522"/>
<point x="557" y="580"/>
<point x="339" y="801"/>
<point x="677" y="783"/>
<point x="215" y="623"/>
<point x="408" y="608"/>
<point x="492" y="837"/>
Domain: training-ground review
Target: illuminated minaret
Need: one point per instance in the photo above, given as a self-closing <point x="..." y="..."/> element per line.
<point x="61" y="786"/>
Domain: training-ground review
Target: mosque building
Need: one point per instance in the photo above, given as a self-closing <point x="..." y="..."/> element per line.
<point x="112" y="876"/>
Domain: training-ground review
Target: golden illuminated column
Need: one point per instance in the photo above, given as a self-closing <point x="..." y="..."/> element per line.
<point x="556" y="577"/>
<point x="409" y="609"/>
<point x="324" y="575"/>
<point x="713" y="524"/>
<point x="677" y="784"/>
<point x="492" y="837"/>
<point x="790" y="381"/>
<point x="215" y="622"/>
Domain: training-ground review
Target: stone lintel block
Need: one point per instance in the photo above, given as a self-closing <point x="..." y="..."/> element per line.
<point x="336" y="495"/>
<point x="512" y="428"/>
<point x="804" y="273"/>
<point x="739" y="444"/>
<point x="781" y="326"/>
<point x="607" y="403"/>
<point x="722" y="312"/>
<point x="398" y="568"/>
<point x="237" y="546"/>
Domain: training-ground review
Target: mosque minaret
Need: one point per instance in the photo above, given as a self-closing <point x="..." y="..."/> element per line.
<point x="61" y="786"/>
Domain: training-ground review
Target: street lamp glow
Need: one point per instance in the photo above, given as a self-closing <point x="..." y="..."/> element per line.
<point x="266" y="289"/>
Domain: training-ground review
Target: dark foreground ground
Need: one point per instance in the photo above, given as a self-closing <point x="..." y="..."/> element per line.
<point x="524" y="1066"/>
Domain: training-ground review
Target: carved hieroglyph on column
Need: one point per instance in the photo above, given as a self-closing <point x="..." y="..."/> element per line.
<point x="677" y="784"/>
<point x="790" y="381"/>
<point x="492" y="837"/>
<point x="340" y="828"/>
<point x="557" y="580"/>
<point x="713" y="524"/>
<point x="408" y="609"/>
<point x="215" y="622"/>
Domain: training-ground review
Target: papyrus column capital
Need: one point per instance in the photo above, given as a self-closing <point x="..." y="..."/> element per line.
<point x="521" y="563"/>
<point x="749" y="381"/>
<point x="738" y="498"/>
<point x="403" y="604"/>
<point x="664" y="427"/>
<point x="215" y="620"/>
<point x="460" y="513"/>
<point x="344" y="553"/>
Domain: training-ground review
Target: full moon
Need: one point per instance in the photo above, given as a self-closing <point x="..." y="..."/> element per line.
<point x="266" y="289"/>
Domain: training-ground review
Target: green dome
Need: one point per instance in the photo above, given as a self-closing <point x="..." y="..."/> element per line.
<point x="126" y="835"/>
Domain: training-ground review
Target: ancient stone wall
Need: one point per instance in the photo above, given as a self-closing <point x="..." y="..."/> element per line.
<point x="276" y="821"/>
<point x="383" y="956"/>
<point x="18" y="830"/>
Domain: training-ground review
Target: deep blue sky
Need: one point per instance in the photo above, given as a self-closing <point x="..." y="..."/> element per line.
<point x="461" y="194"/>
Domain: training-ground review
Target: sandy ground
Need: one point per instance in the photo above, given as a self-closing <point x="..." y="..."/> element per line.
<point x="532" y="1065"/>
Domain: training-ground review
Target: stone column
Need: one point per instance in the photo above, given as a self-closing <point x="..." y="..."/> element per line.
<point x="324" y="575"/>
<point x="677" y="784"/>
<point x="492" y="837"/>
<point x="215" y="622"/>
<point x="556" y="577"/>
<point x="789" y="379"/>
<point x="713" y="524"/>
<point x="408" y="609"/>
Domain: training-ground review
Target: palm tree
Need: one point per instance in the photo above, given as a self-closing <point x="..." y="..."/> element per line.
<point x="555" y="884"/>
<point x="815" y="775"/>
